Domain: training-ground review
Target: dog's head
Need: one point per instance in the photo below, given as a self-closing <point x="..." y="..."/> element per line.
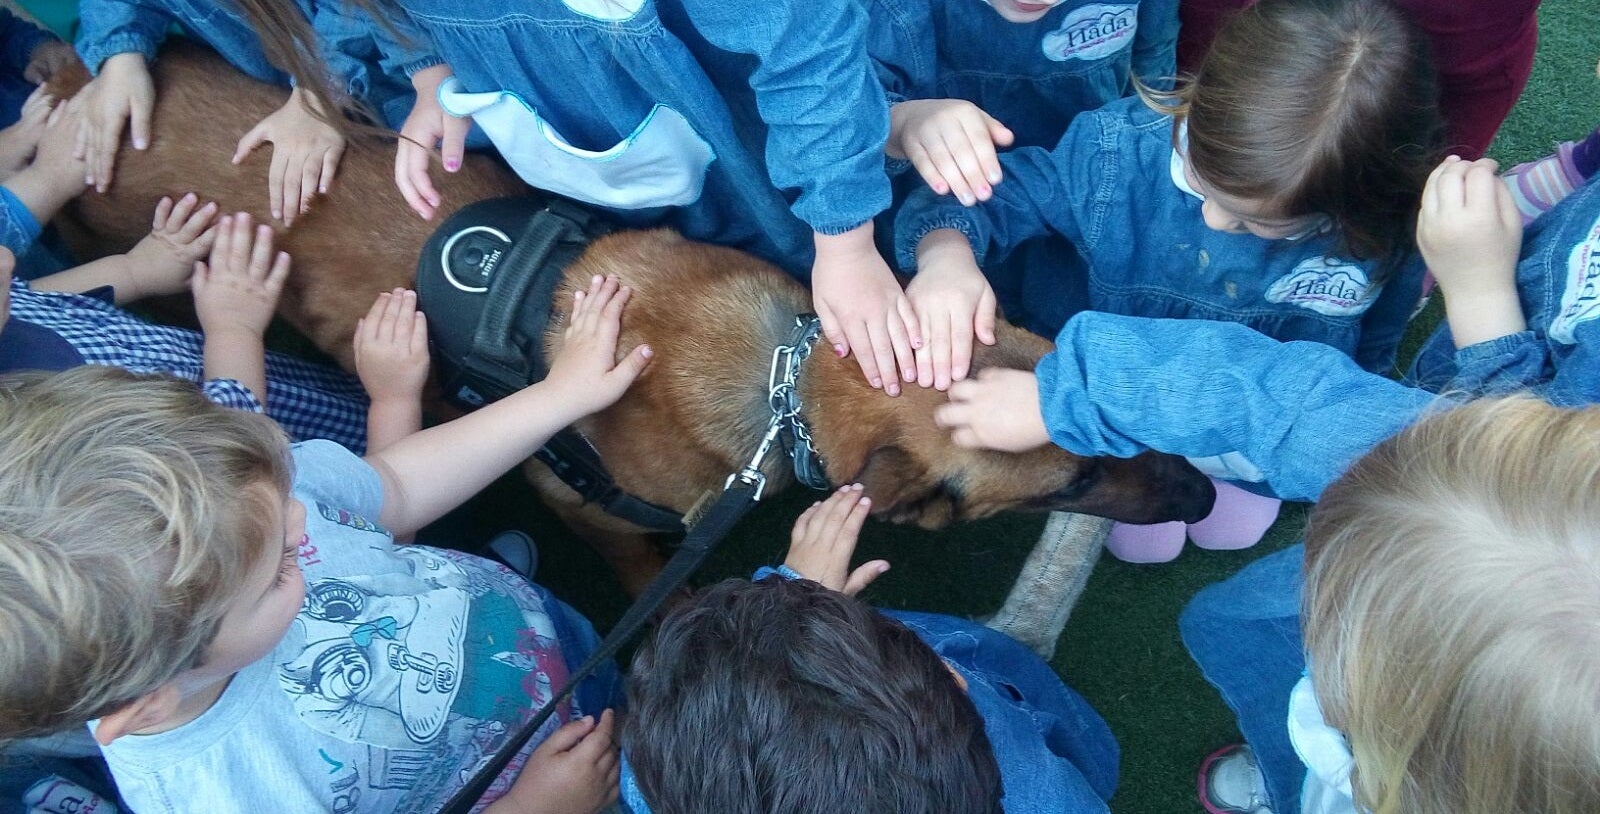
<point x="915" y="474"/>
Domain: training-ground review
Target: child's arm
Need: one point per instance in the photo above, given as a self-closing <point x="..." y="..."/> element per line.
<point x="437" y="469"/>
<point x="392" y="361"/>
<point x="1471" y="234"/>
<point x="1155" y="43"/>
<point x="428" y="126"/>
<point x="574" y="771"/>
<point x="1298" y="412"/>
<point x="824" y="538"/>
<point x="234" y="296"/>
<point x="305" y="153"/>
<point x="863" y="308"/>
<point x="161" y="263"/>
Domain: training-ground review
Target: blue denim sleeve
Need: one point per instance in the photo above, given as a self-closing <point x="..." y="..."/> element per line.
<point x="1155" y="47"/>
<point x="110" y="27"/>
<point x="1036" y="198"/>
<point x="814" y="87"/>
<point x="1301" y="412"/>
<point x="18" y="38"/>
<point x="349" y="35"/>
<point x="1525" y="361"/>
<point x="18" y="227"/>
<point x="1384" y="323"/>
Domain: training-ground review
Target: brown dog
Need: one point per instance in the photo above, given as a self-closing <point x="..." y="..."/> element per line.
<point x="713" y="316"/>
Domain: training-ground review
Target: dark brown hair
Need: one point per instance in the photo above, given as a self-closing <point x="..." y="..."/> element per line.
<point x="783" y="697"/>
<point x="1319" y="107"/>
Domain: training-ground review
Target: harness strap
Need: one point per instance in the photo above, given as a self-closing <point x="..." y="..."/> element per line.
<point x="736" y="500"/>
<point x="525" y="279"/>
<point x="576" y="462"/>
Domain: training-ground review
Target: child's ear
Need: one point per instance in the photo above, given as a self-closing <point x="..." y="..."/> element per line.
<point x="140" y="714"/>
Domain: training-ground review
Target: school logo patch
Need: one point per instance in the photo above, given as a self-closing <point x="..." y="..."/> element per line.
<point x="1581" y="300"/>
<point x="1092" y="32"/>
<point x="348" y="518"/>
<point x="1326" y="286"/>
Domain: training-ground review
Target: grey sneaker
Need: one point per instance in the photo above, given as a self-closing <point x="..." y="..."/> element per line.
<point x="1231" y="783"/>
<point x="516" y="550"/>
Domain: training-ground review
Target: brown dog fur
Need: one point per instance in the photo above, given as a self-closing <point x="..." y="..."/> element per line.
<point x="712" y="315"/>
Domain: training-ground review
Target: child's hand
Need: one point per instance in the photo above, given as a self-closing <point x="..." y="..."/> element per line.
<point x="305" y="154"/>
<point x="1470" y="234"/>
<point x="586" y="369"/>
<point x="392" y="348"/>
<point x="428" y="126"/>
<point x="999" y="410"/>
<point x="238" y="290"/>
<point x="19" y="142"/>
<point x="825" y="537"/>
<point x="953" y="303"/>
<point x="47" y="58"/>
<point x="180" y="235"/>
<point x="123" y="94"/>
<point x="952" y="144"/>
<point x="863" y="309"/>
<point x="575" y="771"/>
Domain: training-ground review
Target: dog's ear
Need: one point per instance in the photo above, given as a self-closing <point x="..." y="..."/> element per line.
<point x="903" y="490"/>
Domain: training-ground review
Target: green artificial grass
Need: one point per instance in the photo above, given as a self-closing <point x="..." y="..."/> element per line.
<point x="1121" y="648"/>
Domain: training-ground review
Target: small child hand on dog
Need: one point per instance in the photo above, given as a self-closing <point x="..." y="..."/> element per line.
<point x="391" y="347"/>
<point x="235" y="295"/>
<point x="825" y="537"/>
<point x="575" y="771"/>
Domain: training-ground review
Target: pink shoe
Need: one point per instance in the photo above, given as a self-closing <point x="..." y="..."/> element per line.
<point x="1158" y="542"/>
<point x="1537" y="186"/>
<point x="1238" y="519"/>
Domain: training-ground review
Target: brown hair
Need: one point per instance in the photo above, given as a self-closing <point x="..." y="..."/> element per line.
<point x="1318" y="107"/>
<point x="131" y="509"/>
<point x="1452" y="613"/>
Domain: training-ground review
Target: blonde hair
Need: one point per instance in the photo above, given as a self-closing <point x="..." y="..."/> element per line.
<point x="1452" y="613"/>
<point x="130" y="510"/>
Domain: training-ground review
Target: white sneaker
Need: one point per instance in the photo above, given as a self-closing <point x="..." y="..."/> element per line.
<point x="1230" y="782"/>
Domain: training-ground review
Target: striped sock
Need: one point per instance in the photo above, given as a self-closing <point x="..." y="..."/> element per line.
<point x="1538" y="186"/>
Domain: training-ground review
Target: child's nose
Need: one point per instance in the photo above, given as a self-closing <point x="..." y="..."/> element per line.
<point x="1219" y="219"/>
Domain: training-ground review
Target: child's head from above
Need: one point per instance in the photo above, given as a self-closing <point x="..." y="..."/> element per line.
<point x="1307" y="112"/>
<point x="145" y="545"/>
<point x="1452" y="612"/>
<point x="785" y="696"/>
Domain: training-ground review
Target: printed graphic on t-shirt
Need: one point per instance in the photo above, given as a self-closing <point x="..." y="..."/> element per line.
<point x="57" y="795"/>
<point x="1580" y="302"/>
<point x="348" y="519"/>
<point x="1092" y="32"/>
<point x="418" y="676"/>
<point x="1327" y="286"/>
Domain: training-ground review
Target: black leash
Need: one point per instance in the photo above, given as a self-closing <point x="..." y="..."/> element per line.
<point x="738" y="497"/>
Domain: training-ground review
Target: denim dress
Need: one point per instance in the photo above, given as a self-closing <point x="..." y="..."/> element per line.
<point x="751" y="126"/>
<point x="1113" y="187"/>
<point x="1033" y="77"/>
<point x="369" y="62"/>
<point x="1558" y="282"/>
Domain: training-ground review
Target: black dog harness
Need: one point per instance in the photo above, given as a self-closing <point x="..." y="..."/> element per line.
<point x="486" y="280"/>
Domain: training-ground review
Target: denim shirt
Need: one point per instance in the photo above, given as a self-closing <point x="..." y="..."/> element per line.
<point x="1109" y="187"/>
<point x="767" y="117"/>
<point x="1290" y="415"/>
<point x="1033" y="77"/>
<point x="18" y="38"/>
<point x="1055" y="753"/>
<point x="364" y="59"/>
<point x="1558" y="283"/>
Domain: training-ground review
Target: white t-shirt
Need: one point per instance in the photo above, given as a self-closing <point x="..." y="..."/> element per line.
<point x="402" y="673"/>
<point x="1324" y="751"/>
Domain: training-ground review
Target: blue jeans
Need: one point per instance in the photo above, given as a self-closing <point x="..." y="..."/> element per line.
<point x="1244" y="633"/>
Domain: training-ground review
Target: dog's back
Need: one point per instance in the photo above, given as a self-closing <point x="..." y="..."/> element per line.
<point x="358" y="240"/>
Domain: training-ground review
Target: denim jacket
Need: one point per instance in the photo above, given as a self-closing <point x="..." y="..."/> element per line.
<point x="1054" y="751"/>
<point x="1111" y="187"/>
<point x="363" y="57"/>
<point x="1290" y="415"/>
<point x="1033" y="77"/>
<point x="1558" y="282"/>
<point x="745" y="125"/>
